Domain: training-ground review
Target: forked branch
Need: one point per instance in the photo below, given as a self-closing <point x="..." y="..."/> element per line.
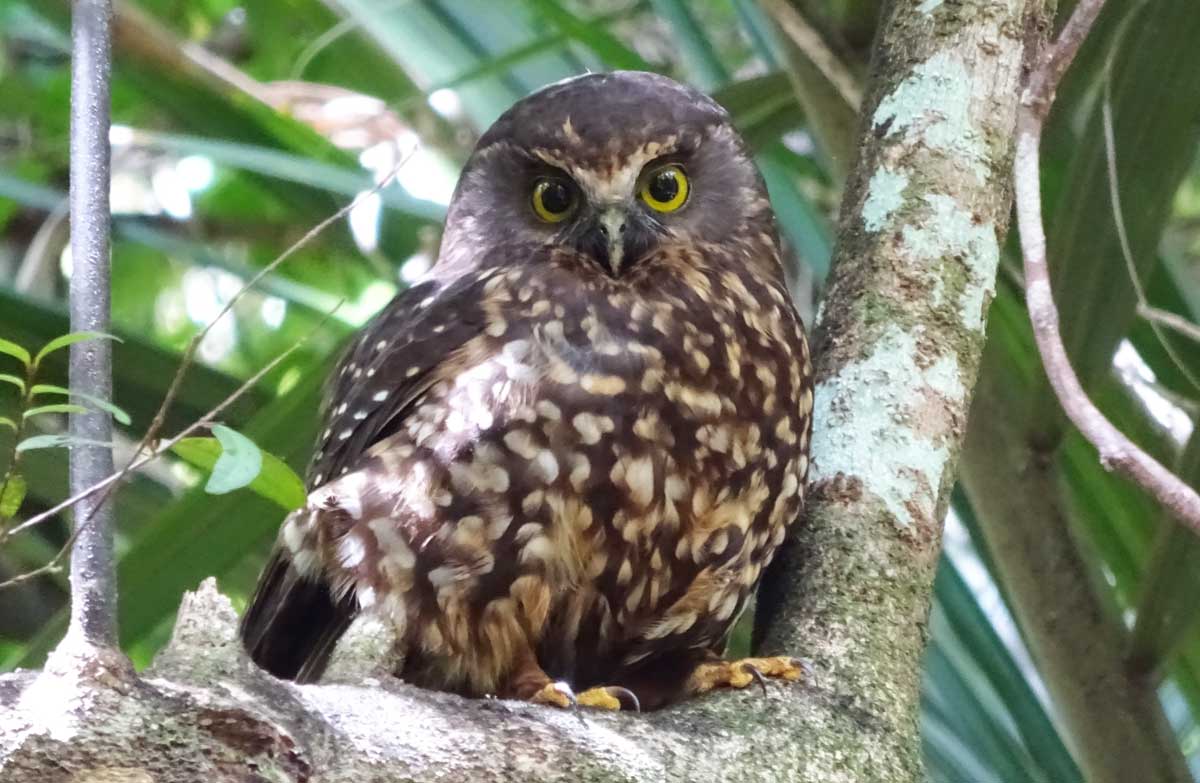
<point x="1117" y="452"/>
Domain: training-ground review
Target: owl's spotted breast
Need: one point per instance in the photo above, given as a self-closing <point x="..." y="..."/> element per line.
<point x="543" y="464"/>
<point x="600" y="478"/>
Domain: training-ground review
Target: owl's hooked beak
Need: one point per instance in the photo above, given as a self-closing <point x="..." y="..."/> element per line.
<point x="611" y="224"/>
<point x="616" y="237"/>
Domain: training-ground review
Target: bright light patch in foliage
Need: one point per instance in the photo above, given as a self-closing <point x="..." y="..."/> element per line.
<point x="236" y="462"/>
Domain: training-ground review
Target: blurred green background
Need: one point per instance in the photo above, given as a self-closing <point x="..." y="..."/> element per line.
<point x="240" y="125"/>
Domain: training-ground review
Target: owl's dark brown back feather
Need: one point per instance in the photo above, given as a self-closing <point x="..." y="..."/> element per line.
<point x="294" y="619"/>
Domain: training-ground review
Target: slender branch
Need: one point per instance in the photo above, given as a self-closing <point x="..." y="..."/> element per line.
<point x="809" y="40"/>
<point x="93" y="576"/>
<point x="1114" y="195"/>
<point x="1058" y="56"/>
<point x="113" y="480"/>
<point x="193" y="345"/>
<point x="1172" y="321"/>
<point x="1117" y="452"/>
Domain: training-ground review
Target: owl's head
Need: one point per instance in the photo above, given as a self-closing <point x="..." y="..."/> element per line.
<point x="615" y="166"/>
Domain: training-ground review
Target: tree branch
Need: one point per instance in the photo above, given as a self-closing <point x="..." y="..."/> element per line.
<point x="1117" y="452"/>
<point x="1112" y="720"/>
<point x="93" y="570"/>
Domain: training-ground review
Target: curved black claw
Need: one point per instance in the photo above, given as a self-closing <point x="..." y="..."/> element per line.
<point x="757" y="675"/>
<point x="624" y="695"/>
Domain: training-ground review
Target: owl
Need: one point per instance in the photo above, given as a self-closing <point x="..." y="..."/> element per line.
<point x="557" y="466"/>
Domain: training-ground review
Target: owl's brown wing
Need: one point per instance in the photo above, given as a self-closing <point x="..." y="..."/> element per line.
<point x="294" y="620"/>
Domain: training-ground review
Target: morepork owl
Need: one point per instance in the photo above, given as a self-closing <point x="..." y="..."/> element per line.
<point x="560" y="463"/>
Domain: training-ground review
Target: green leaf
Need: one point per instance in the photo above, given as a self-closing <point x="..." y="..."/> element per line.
<point x="117" y="413"/>
<point x="14" y="380"/>
<point x="60" y="407"/>
<point x="239" y="463"/>
<point x="697" y="52"/>
<point x="143" y="369"/>
<point x="1167" y="607"/>
<point x="17" y="352"/>
<point x="610" y="48"/>
<point x="11" y="495"/>
<point x="57" y="441"/>
<point x="276" y="481"/>
<point x="7" y="422"/>
<point x="59" y="343"/>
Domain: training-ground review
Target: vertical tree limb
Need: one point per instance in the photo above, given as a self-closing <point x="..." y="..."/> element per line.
<point x="93" y="570"/>
<point x="1112" y="720"/>
<point x="900" y="344"/>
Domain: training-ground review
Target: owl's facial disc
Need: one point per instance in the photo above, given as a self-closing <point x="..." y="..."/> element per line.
<point x="624" y="213"/>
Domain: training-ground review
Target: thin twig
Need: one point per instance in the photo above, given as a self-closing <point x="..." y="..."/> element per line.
<point x="1058" y="56"/>
<point x="1114" y="194"/>
<point x="809" y="40"/>
<point x="1172" y="321"/>
<point x="162" y="448"/>
<point x="190" y="352"/>
<point x="137" y="460"/>
<point x="1117" y="452"/>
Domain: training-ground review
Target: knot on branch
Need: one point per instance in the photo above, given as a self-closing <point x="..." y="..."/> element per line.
<point x="205" y="642"/>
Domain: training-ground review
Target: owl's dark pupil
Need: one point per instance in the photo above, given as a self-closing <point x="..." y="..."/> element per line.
<point x="556" y="199"/>
<point x="664" y="186"/>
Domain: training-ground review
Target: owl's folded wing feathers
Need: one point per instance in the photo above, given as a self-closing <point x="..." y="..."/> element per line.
<point x="294" y="620"/>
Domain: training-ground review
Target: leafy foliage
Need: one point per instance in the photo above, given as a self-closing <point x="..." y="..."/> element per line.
<point x="235" y="462"/>
<point x="13" y="485"/>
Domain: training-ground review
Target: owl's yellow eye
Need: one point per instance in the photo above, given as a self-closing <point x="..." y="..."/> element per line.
<point x="553" y="200"/>
<point x="666" y="189"/>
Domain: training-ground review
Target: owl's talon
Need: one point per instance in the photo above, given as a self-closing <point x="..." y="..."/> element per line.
<point x="556" y="694"/>
<point x="603" y="697"/>
<point x="739" y="674"/>
<point x="758" y="676"/>
<point x="610" y="697"/>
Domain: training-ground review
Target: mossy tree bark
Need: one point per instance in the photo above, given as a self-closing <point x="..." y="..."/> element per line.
<point x="897" y="354"/>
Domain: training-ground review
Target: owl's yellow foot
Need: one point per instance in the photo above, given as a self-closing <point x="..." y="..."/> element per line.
<point x="555" y="694"/>
<point x="610" y="697"/>
<point x="604" y="697"/>
<point x="738" y="674"/>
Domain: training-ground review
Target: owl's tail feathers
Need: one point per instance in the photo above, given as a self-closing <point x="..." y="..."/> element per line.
<point x="294" y="621"/>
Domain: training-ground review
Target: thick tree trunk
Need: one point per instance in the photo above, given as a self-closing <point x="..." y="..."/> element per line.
<point x="898" y="352"/>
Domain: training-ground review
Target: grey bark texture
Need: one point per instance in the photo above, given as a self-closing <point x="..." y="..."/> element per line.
<point x="93" y="580"/>
<point x="898" y="351"/>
